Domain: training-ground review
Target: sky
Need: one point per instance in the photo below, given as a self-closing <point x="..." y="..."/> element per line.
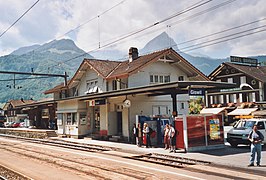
<point x="105" y="21"/>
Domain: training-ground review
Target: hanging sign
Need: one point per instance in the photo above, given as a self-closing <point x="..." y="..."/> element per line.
<point x="196" y="92"/>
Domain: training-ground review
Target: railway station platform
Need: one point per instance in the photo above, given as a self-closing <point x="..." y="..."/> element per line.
<point x="29" y="133"/>
<point x="227" y="157"/>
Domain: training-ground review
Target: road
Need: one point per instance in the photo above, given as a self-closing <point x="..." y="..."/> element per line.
<point x="48" y="162"/>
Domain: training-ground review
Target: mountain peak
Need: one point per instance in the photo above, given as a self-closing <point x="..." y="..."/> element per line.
<point x="162" y="41"/>
<point x="60" y="46"/>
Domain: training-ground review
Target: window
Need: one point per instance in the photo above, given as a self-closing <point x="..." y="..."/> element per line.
<point x="156" y="78"/>
<point x="221" y="99"/>
<point x="261" y="125"/>
<point x="159" y="110"/>
<point x="45" y="113"/>
<point x="230" y="80"/>
<point x="243" y="79"/>
<point x="167" y="78"/>
<point x="159" y="78"/>
<point x="151" y="79"/>
<point x="181" y="78"/>
<point x="114" y="85"/>
<point x="182" y="105"/>
<point x="211" y="99"/>
<point x="71" y="118"/>
<point x="92" y="86"/>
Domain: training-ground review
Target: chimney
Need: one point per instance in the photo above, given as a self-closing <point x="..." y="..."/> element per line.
<point x="133" y="54"/>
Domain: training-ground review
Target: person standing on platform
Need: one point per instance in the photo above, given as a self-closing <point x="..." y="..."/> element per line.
<point x="256" y="138"/>
<point x="139" y="135"/>
<point x="134" y="139"/>
<point x="146" y="132"/>
<point x="166" y="137"/>
<point x="172" y="138"/>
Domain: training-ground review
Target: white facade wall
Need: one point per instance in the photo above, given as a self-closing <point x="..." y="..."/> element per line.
<point x="72" y="106"/>
<point x="142" y="78"/>
<point x="91" y="75"/>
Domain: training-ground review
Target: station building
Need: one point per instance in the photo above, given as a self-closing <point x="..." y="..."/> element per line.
<point x="104" y="97"/>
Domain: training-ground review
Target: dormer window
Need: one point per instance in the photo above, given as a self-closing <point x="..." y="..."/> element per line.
<point x="92" y="86"/>
<point x="180" y="78"/>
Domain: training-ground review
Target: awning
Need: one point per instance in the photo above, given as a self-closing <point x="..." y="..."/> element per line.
<point x="245" y="111"/>
<point x="259" y="113"/>
<point x="211" y="110"/>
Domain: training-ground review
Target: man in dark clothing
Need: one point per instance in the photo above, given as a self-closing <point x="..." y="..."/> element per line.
<point x="256" y="138"/>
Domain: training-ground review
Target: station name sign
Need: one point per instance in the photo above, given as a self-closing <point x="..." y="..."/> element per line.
<point x="244" y="60"/>
<point x="196" y="92"/>
<point x="97" y="102"/>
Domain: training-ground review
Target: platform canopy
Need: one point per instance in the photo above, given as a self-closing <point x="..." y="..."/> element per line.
<point x="239" y="112"/>
<point x="178" y="87"/>
<point x="212" y="110"/>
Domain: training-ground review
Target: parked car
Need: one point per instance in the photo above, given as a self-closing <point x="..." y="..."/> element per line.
<point x="240" y="131"/>
<point x="2" y="124"/>
<point x="22" y="124"/>
<point x="8" y="124"/>
<point x="15" y="124"/>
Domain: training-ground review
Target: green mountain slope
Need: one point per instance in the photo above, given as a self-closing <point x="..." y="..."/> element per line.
<point x="45" y="59"/>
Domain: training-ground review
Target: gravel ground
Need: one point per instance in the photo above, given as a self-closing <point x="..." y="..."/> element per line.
<point x="9" y="174"/>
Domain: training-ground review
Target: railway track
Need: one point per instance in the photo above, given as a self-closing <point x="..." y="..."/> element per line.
<point x="177" y="162"/>
<point x="7" y="174"/>
<point x="172" y="161"/>
<point x="64" y="144"/>
<point x="85" y="166"/>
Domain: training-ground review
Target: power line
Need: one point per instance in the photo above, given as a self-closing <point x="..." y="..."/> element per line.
<point x="19" y="18"/>
<point x="194" y="15"/>
<point x="18" y="79"/>
<point x="79" y="26"/>
<point x="218" y="42"/>
<point x="241" y="32"/>
<point x="194" y="6"/>
<point x="93" y="18"/>
<point x="219" y="32"/>
<point x="202" y="12"/>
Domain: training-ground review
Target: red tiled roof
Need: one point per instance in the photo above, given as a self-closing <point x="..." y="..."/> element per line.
<point x="16" y="103"/>
<point x="55" y="89"/>
<point x="127" y="67"/>
<point x="113" y="69"/>
<point x="103" y="67"/>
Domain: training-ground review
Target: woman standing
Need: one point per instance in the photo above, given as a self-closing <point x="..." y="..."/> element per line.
<point x="146" y="133"/>
<point x="166" y="138"/>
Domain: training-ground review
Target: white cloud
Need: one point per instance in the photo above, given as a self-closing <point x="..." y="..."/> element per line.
<point x="50" y="19"/>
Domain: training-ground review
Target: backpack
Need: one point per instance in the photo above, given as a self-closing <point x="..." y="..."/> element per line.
<point x="259" y="133"/>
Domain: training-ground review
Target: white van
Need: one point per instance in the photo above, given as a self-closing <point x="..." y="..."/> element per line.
<point x="240" y="131"/>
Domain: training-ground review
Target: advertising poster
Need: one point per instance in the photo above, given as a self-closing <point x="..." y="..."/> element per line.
<point x="214" y="129"/>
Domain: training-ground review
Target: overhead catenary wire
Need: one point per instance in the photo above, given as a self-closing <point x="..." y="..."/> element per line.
<point x="93" y="18"/>
<point x="194" y="6"/>
<point x="192" y="16"/>
<point x="79" y="26"/>
<point x="215" y="33"/>
<point x="20" y="79"/>
<point x="241" y="32"/>
<point x="218" y="42"/>
<point x="19" y="18"/>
